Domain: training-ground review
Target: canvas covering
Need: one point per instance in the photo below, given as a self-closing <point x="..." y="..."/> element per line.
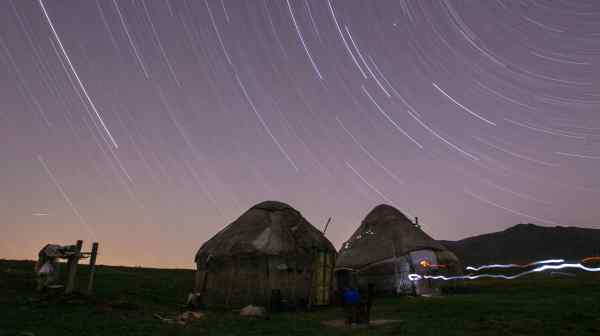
<point x="385" y="233"/>
<point x="268" y="228"/>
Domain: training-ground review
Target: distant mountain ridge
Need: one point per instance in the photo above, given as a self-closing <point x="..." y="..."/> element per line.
<point x="526" y="243"/>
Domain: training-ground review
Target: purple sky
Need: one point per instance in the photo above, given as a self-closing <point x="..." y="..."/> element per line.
<point x="149" y="125"/>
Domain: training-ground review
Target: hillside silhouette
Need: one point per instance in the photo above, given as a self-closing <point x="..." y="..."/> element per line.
<point x="526" y="243"/>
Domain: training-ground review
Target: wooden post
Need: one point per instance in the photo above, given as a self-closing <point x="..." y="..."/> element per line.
<point x="248" y="264"/>
<point x="396" y="279"/>
<point x="197" y="280"/>
<point x="268" y="286"/>
<point x="72" y="268"/>
<point x="312" y="280"/>
<point x="201" y="280"/>
<point x="326" y="225"/>
<point x="232" y="280"/>
<point x="90" y="288"/>
<point x="332" y="279"/>
<point x="324" y="284"/>
<point x="294" y="280"/>
<point x="204" y="281"/>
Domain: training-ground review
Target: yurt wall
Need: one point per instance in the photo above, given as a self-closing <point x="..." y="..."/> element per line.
<point x="237" y="281"/>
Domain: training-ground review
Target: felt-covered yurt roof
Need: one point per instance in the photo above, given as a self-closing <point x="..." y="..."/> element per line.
<point x="384" y="233"/>
<point x="268" y="228"/>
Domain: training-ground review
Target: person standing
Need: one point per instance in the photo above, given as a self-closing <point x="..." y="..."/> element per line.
<point x="370" y="297"/>
<point x="350" y="298"/>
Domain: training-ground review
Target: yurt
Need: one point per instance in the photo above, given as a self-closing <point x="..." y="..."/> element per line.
<point x="386" y="248"/>
<point x="269" y="254"/>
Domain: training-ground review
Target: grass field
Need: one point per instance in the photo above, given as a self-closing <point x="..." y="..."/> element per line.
<point x="127" y="298"/>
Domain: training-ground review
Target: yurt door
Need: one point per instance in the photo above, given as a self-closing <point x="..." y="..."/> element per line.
<point x="322" y="278"/>
<point x="403" y="269"/>
<point x="421" y="262"/>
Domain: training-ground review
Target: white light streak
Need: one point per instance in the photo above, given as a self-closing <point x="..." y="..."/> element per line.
<point x="543" y="130"/>
<point x="344" y="40"/>
<point x="505" y="189"/>
<point x="509" y="171"/>
<point x="543" y="262"/>
<point x="557" y="80"/>
<point x="273" y="30"/>
<point x="468" y="34"/>
<point x="462" y="106"/>
<point x="312" y="20"/>
<point x="170" y="8"/>
<point x="417" y="277"/>
<point x="362" y="58"/>
<point x="264" y="124"/>
<point x="160" y="46"/>
<point x="442" y="138"/>
<point x="377" y="81"/>
<point x="377" y="162"/>
<point x="214" y="24"/>
<point x="92" y="105"/>
<point x="390" y="119"/>
<point x="520" y="156"/>
<point x="131" y="42"/>
<point x="26" y="92"/>
<point x="581" y="156"/>
<point x="66" y="197"/>
<point x="495" y="92"/>
<point x="225" y="11"/>
<point x="508" y="209"/>
<point x="369" y="184"/>
<point x="203" y="188"/>
<point x="406" y="9"/>
<point x="405" y="102"/>
<point x="120" y="164"/>
<point x="543" y="26"/>
<point x="559" y="60"/>
<point x="380" y="74"/>
<point x="302" y="40"/>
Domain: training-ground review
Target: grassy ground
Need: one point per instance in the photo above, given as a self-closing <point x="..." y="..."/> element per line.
<point x="127" y="298"/>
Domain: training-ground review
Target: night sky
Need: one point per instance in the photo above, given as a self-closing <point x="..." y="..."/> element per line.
<point x="150" y="125"/>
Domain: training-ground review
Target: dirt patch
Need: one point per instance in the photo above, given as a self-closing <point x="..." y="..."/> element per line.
<point x="182" y="318"/>
<point x="342" y="323"/>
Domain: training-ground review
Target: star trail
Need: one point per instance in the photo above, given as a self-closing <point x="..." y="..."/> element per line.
<point x="149" y="125"/>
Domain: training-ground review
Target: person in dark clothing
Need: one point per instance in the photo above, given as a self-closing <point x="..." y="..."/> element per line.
<point x="361" y="316"/>
<point x="276" y="301"/>
<point x="370" y="297"/>
<point x="350" y="298"/>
